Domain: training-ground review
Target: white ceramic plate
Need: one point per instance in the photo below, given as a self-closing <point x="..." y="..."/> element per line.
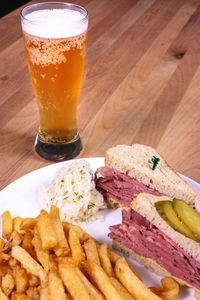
<point x="21" y="198"/>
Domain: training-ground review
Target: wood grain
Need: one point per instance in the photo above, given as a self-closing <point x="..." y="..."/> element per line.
<point x="141" y="84"/>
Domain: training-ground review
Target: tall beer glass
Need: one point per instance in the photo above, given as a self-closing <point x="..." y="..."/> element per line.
<point x="55" y="36"/>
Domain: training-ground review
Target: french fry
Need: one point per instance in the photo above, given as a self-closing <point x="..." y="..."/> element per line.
<point x="114" y="257"/>
<point x="13" y="262"/>
<point x="1" y="244"/>
<point x="102" y="281"/>
<point x="17" y="222"/>
<point x="56" y="288"/>
<point x="33" y="280"/>
<point x="27" y="243"/>
<point x="62" y="248"/>
<point x="169" y="291"/>
<point x="16" y="296"/>
<point x="105" y="260"/>
<point x="28" y="224"/>
<point x="46" y="231"/>
<point x="197" y="295"/>
<point x="4" y="268"/>
<point x="76" y="249"/>
<point x="92" y="291"/>
<point x="7" y="224"/>
<point x="4" y="257"/>
<point x="121" y="289"/>
<point x="28" y="262"/>
<point x="21" y="279"/>
<point x="46" y="259"/>
<point x="3" y="296"/>
<point x="42" y="255"/>
<point x="8" y="284"/>
<point x="90" y="248"/>
<point x="135" y="286"/>
<point x="83" y="236"/>
<point x="33" y="293"/>
<point x="15" y="238"/>
<point x="72" y="282"/>
<point x="44" y="292"/>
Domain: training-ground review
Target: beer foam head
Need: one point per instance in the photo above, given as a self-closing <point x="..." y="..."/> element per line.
<point x="54" y="23"/>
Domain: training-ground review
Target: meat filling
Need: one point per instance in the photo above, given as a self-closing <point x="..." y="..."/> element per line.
<point x="120" y="187"/>
<point x="139" y="235"/>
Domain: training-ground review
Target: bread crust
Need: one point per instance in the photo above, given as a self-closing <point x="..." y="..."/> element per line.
<point x="136" y="161"/>
<point x="149" y="263"/>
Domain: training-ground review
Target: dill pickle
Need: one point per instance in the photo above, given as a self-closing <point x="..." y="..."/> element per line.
<point x="189" y="216"/>
<point x="167" y="212"/>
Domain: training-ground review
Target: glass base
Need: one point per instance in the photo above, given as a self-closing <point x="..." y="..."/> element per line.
<point x="58" y="152"/>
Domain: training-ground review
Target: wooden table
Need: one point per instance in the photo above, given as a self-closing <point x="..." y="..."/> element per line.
<point x="141" y="85"/>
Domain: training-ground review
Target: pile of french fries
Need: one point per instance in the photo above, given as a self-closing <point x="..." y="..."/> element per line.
<point x="44" y="258"/>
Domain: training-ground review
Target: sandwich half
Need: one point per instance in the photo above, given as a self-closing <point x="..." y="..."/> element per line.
<point x="149" y="239"/>
<point x="130" y="170"/>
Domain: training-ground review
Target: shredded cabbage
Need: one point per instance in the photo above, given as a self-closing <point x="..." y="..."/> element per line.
<point x="73" y="192"/>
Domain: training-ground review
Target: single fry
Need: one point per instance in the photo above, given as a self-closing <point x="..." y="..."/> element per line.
<point x="28" y="262"/>
<point x="33" y="293"/>
<point x="4" y="268"/>
<point x="76" y="249"/>
<point x="1" y="244"/>
<point x="7" y="224"/>
<point x="21" y="279"/>
<point x="8" y="284"/>
<point x="83" y="236"/>
<point x="121" y="289"/>
<point x="46" y="231"/>
<point x="13" y="262"/>
<point x="27" y="243"/>
<point x="91" y="251"/>
<point x="92" y="291"/>
<point x="134" y="285"/>
<point x="28" y="224"/>
<point x="15" y="238"/>
<point x="17" y="222"/>
<point x="169" y="291"/>
<point x="33" y="280"/>
<point x="72" y="281"/>
<point x="114" y="257"/>
<point x="56" y="288"/>
<point x="105" y="260"/>
<point x="4" y="257"/>
<point x="42" y="255"/>
<point x="62" y="248"/>
<point x="102" y="281"/>
<point x="3" y="296"/>
<point x="197" y="294"/>
<point x="44" y="292"/>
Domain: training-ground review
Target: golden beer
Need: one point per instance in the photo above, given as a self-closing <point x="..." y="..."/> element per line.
<point x="56" y="68"/>
<point x="56" y="56"/>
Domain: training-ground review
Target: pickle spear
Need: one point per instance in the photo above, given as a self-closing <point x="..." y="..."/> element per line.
<point x="172" y="219"/>
<point x="189" y="216"/>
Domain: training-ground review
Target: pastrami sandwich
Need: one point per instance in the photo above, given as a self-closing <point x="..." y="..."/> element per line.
<point x="130" y="170"/>
<point x="149" y="234"/>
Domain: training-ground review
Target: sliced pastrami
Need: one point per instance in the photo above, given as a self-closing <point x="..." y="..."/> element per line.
<point x="145" y="239"/>
<point x="120" y="187"/>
